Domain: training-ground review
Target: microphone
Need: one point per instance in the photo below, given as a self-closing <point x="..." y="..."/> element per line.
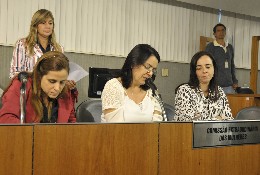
<point x="156" y="94"/>
<point x="150" y="83"/>
<point x="23" y="77"/>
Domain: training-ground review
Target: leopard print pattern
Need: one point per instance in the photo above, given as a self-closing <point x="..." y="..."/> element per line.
<point x="191" y="104"/>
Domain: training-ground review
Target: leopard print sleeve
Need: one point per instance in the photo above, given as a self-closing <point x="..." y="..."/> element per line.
<point x="184" y="105"/>
<point x="226" y="111"/>
<point x="191" y="105"/>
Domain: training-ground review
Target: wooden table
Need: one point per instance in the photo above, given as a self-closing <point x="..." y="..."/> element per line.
<point x="16" y="143"/>
<point x="111" y="149"/>
<point x="178" y="157"/>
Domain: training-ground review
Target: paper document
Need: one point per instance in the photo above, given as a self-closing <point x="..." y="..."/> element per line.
<point x="1" y="92"/>
<point x="76" y="72"/>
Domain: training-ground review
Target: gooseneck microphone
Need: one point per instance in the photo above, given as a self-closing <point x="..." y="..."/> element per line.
<point x="23" y="77"/>
<point x="158" y="97"/>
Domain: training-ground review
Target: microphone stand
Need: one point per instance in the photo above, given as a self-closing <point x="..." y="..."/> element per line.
<point x="23" y="79"/>
<point x="157" y="96"/>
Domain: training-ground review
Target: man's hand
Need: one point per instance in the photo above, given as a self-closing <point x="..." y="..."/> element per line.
<point x="235" y="86"/>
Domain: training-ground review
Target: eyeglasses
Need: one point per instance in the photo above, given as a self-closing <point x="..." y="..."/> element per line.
<point x="149" y="68"/>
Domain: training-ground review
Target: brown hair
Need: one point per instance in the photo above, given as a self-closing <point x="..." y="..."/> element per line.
<point x="50" y="61"/>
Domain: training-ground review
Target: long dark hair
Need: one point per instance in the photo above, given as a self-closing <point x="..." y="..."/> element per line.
<point x="194" y="81"/>
<point x="137" y="56"/>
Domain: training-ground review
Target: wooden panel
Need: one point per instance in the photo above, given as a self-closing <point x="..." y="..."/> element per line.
<point x="178" y="157"/>
<point x="96" y="149"/>
<point x="257" y="101"/>
<point x="237" y="103"/>
<point x="254" y="63"/>
<point x="204" y="41"/>
<point x="16" y="150"/>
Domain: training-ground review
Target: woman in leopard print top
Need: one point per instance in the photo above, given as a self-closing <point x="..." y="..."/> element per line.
<point x="201" y="98"/>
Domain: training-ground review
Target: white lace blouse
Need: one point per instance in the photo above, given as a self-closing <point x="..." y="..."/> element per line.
<point x="114" y="96"/>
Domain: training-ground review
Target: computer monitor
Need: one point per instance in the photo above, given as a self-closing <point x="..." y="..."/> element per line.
<point x="98" y="78"/>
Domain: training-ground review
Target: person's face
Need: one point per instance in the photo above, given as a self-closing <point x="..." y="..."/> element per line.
<point x="45" y="28"/>
<point x="144" y="71"/>
<point x="220" y="32"/>
<point x="53" y="82"/>
<point x="204" y="69"/>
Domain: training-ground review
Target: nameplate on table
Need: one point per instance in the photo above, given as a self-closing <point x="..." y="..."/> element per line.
<point x="225" y="133"/>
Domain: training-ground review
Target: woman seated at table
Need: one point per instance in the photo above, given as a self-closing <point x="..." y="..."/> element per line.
<point x="128" y="98"/>
<point x="201" y="98"/>
<point x="48" y="99"/>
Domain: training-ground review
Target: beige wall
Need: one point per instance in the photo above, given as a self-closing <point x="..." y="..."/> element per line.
<point x="178" y="73"/>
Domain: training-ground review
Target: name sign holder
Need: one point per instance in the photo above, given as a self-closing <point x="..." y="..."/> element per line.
<point x="208" y="134"/>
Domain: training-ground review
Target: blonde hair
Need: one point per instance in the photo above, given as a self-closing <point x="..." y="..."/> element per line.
<point x="38" y="17"/>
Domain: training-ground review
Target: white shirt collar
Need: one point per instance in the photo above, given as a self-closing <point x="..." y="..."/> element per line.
<point x="224" y="47"/>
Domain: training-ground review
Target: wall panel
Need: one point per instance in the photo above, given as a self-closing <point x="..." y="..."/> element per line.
<point x="114" y="27"/>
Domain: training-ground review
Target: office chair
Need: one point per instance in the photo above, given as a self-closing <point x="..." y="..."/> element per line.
<point x="89" y="111"/>
<point x="169" y="110"/>
<point x="244" y="90"/>
<point x="249" y="113"/>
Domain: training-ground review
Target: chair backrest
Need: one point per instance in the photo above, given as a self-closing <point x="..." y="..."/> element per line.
<point x="169" y="110"/>
<point x="249" y="113"/>
<point x="89" y="111"/>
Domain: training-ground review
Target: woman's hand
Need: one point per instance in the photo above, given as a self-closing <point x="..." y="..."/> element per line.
<point x="71" y="84"/>
<point x="219" y="118"/>
<point x="196" y="116"/>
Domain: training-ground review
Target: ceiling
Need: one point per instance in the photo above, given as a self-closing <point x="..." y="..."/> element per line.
<point x="247" y="7"/>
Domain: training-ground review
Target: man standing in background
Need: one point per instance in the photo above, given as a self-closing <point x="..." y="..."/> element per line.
<point x="223" y="53"/>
